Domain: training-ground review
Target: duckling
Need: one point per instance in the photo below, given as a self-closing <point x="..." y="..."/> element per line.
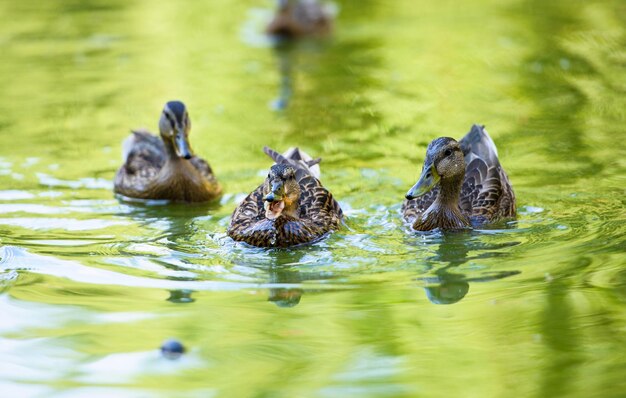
<point x="297" y="18"/>
<point x="290" y="208"/>
<point x="462" y="185"/>
<point x="165" y="168"/>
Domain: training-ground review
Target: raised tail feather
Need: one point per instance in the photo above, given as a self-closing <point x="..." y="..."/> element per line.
<point x="297" y="158"/>
<point x="478" y="143"/>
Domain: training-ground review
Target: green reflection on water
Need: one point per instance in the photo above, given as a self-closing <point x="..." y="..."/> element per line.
<point x="92" y="286"/>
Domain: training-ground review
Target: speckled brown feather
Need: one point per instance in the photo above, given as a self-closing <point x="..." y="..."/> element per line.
<point x="486" y="193"/>
<point x="414" y="208"/>
<point x="319" y="214"/>
<point x="147" y="173"/>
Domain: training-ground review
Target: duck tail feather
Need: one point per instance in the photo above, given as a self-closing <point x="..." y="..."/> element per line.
<point x="293" y="153"/>
<point x="295" y="157"/>
<point x="479" y="143"/>
<point x="304" y="160"/>
<point x="276" y="157"/>
<point x="127" y="146"/>
<point x="313" y="162"/>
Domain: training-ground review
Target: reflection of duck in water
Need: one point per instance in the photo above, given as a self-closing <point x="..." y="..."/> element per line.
<point x="291" y="207"/>
<point x="446" y="287"/>
<point x="462" y="184"/>
<point x="449" y="288"/>
<point x="297" y="18"/>
<point x="286" y="270"/>
<point x="286" y="296"/>
<point x="181" y="296"/>
<point x="285" y="58"/>
<point x="166" y="168"/>
<point x="449" y="291"/>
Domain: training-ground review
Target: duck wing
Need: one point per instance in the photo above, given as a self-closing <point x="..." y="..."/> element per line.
<point x="317" y="205"/>
<point x="204" y="168"/>
<point x="247" y="220"/>
<point x="142" y="149"/>
<point x="486" y="193"/>
<point x="143" y="155"/>
<point x="412" y="209"/>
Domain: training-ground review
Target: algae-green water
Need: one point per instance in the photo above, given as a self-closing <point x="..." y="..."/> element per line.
<point x="91" y="286"/>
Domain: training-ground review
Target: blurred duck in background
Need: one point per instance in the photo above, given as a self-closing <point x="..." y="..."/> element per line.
<point x="165" y="167"/>
<point x="298" y="18"/>
<point x="462" y="185"/>
<point x="295" y="19"/>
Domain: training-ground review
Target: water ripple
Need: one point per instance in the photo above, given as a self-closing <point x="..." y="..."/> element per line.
<point x="14" y="258"/>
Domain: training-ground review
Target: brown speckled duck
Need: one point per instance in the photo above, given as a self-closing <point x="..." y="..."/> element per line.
<point x="165" y="168"/>
<point x="297" y="18"/>
<point x="462" y="185"/>
<point x="290" y="208"/>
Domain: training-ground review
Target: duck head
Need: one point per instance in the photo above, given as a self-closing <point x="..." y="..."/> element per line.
<point x="444" y="164"/>
<point x="174" y="126"/>
<point x="281" y="192"/>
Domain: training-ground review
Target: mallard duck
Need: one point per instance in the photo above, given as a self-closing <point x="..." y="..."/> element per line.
<point x="462" y="185"/>
<point x="296" y="18"/>
<point x="291" y="207"/>
<point x="165" y="168"/>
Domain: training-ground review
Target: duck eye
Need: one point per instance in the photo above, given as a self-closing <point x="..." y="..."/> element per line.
<point x="448" y="152"/>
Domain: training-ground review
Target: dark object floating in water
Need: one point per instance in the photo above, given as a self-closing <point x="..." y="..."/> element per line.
<point x="172" y="349"/>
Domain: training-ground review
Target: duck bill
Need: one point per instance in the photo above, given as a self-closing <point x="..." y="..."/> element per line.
<point x="181" y="145"/>
<point x="274" y="203"/>
<point x="428" y="180"/>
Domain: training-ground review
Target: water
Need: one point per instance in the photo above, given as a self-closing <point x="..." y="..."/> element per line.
<point x="91" y="286"/>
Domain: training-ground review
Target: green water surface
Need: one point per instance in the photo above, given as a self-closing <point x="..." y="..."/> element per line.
<point x="91" y="286"/>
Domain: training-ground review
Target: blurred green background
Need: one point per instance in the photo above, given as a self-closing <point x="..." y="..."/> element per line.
<point x="91" y="286"/>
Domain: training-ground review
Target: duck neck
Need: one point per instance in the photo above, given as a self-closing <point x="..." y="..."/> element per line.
<point x="444" y="213"/>
<point x="177" y="171"/>
<point x="170" y="150"/>
<point x="293" y="209"/>
<point x="450" y="191"/>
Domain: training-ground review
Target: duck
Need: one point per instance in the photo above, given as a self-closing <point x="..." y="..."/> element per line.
<point x="298" y="18"/>
<point x="291" y="207"/>
<point x="166" y="167"/>
<point x="462" y="185"/>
